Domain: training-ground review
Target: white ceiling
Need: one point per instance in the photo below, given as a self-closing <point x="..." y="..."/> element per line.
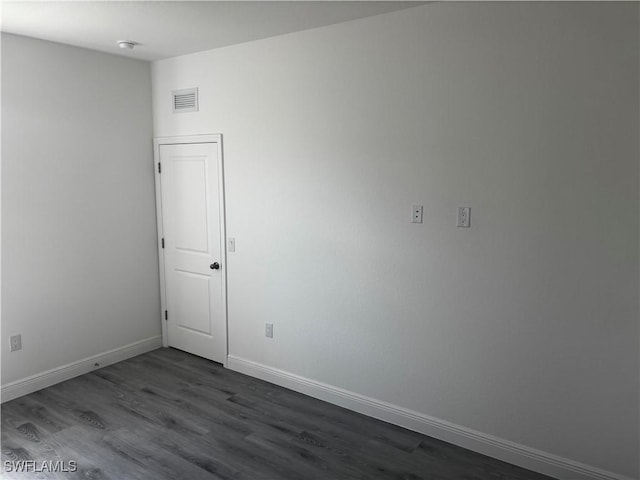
<point x="167" y="29"/>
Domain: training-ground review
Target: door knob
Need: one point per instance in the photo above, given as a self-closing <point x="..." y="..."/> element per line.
<point x="214" y="266"/>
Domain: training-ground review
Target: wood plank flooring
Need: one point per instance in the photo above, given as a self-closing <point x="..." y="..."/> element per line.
<point x="170" y="415"/>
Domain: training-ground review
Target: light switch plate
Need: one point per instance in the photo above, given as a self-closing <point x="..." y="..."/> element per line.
<point x="231" y="244"/>
<point x="416" y="214"/>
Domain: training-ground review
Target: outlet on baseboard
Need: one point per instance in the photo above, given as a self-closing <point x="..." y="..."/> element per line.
<point x="268" y="330"/>
<point x="464" y="217"/>
<point x="16" y="342"/>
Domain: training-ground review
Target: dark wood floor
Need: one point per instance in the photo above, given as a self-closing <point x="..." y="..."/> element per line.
<point x="170" y="415"/>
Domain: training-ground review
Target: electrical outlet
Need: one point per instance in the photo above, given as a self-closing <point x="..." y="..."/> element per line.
<point x="231" y="244"/>
<point x="268" y="330"/>
<point x="416" y="214"/>
<point x="16" y="342"/>
<point x="464" y="217"/>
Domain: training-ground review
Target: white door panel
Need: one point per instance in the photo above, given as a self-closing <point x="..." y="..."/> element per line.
<point x="192" y="217"/>
<point x="190" y="197"/>
<point x="192" y="301"/>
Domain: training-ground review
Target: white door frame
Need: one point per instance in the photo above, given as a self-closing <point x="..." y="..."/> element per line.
<point x="191" y="139"/>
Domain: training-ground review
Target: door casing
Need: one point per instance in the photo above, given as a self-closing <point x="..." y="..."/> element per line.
<point x="191" y="139"/>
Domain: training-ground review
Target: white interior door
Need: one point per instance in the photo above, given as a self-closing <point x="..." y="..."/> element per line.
<point x="192" y="229"/>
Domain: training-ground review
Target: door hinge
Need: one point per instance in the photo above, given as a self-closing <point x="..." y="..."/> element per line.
<point x="159" y="168"/>
<point x="163" y="243"/>
<point x="166" y="315"/>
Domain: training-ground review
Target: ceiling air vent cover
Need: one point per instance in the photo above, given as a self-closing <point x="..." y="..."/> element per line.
<point x="185" y="100"/>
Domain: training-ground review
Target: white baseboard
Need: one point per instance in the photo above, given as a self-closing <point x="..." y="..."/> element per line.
<point x="505" y="450"/>
<point x="65" y="372"/>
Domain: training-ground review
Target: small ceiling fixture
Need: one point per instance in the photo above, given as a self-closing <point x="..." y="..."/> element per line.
<point x="126" y="44"/>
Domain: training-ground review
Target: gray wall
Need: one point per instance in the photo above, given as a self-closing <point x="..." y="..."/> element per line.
<point x="524" y="326"/>
<point x="79" y="257"/>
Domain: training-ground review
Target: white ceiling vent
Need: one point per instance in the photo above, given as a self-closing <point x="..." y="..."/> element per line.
<point x="185" y="100"/>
